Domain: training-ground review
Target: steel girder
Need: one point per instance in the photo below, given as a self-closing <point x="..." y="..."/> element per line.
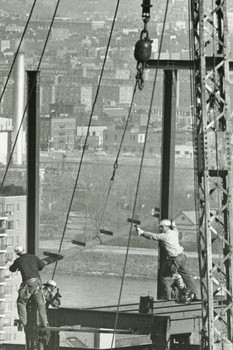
<point x="213" y="124"/>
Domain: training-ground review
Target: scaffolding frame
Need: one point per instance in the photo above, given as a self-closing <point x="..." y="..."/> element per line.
<point x="213" y="125"/>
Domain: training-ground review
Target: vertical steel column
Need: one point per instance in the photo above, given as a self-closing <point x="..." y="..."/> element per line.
<point x="214" y="170"/>
<point x="31" y="330"/>
<point x="160" y="333"/>
<point x="54" y="340"/>
<point x="33" y="162"/>
<point x="168" y="157"/>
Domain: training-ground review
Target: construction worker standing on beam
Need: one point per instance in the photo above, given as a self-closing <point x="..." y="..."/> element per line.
<point x="175" y="258"/>
<point x="29" y="266"/>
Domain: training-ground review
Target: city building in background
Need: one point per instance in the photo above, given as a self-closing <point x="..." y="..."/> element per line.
<point x="12" y="232"/>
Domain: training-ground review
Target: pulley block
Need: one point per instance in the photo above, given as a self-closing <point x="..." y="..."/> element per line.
<point x="142" y="51"/>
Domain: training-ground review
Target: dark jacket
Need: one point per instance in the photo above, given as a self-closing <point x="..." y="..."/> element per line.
<point x="29" y="265"/>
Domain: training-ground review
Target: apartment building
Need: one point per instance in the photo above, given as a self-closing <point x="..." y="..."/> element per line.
<point x="12" y="232"/>
<point x="2" y="273"/>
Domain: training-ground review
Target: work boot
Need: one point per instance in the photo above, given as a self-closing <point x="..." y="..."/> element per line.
<point x="196" y="298"/>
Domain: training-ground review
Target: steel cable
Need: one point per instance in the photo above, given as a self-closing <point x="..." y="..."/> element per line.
<point x="87" y="133"/>
<point x="115" y="165"/>
<point x="139" y="174"/>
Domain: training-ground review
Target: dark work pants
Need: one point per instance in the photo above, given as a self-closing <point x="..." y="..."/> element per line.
<point x="179" y="265"/>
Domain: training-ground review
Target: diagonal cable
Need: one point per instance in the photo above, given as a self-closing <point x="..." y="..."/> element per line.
<point x="88" y="129"/>
<point x="115" y="165"/>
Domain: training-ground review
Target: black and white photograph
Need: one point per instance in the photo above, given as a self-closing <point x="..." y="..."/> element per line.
<point x="116" y="174"/>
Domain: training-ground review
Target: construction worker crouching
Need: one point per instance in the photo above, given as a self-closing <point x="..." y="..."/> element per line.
<point x="51" y="294"/>
<point x="175" y="258"/>
<point x="29" y="266"/>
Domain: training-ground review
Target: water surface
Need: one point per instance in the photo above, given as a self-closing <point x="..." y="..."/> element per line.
<point x="92" y="291"/>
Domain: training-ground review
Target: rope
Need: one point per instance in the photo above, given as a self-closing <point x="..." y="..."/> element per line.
<point x="25" y="109"/>
<point x="115" y="165"/>
<point x="87" y="134"/>
<point x="139" y="175"/>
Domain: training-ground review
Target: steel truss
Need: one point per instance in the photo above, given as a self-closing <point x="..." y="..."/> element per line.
<point x="213" y="124"/>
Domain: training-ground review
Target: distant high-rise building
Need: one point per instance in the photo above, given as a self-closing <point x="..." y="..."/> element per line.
<point x="19" y="85"/>
<point x="86" y="96"/>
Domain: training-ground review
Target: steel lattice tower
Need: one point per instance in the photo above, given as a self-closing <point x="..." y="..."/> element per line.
<point x="214" y="169"/>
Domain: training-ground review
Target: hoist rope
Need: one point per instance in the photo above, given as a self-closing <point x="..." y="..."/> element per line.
<point x="87" y="133"/>
<point x="139" y="174"/>
<point x="30" y="94"/>
<point x="115" y="165"/>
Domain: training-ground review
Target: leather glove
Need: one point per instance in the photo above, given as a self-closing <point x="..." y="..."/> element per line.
<point x="139" y="231"/>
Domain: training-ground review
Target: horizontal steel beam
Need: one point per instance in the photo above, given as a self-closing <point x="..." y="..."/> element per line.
<point x="100" y="319"/>
<point x="184" y="64"/>
<point x="183" y="318"/>
<point x="134" y="347"/>
<point x="87" y="330"/>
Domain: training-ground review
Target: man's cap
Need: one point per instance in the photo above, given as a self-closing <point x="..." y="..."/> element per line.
<point x="19" y="249"/>
<point x="51" y="283"/>
<point x="165" y="222"/>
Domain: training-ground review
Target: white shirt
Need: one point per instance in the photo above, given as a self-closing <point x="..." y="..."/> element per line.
<point x="170" y="240"/>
